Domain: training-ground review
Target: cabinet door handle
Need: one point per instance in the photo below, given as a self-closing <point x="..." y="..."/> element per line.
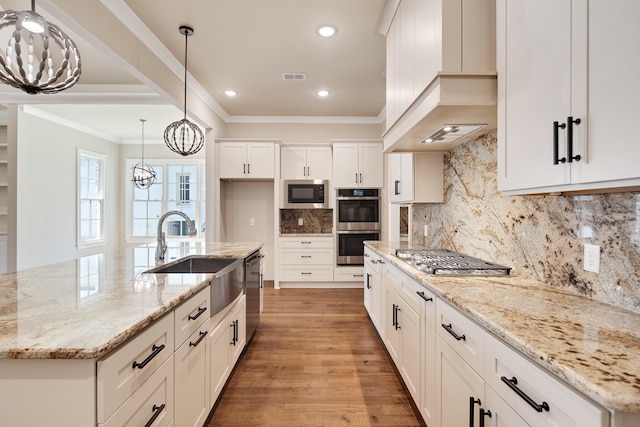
<point x="513" y="385"/>
<point x="570" y="123"/>
<point x="483" y="414"/>
<point x="248" y="168"/>
<point x="157" y="410"/>
<point x="356" y="177"/>
<point x="423" y="296"/>
<point x="234" y="325"/>
<point x="361" y="178"/>
<point x="368" y="285"/>
<point x="198" y="314"/>
<point x="397" y="323"/>
<point x="449" y="329"/>
<point x="396" y="184"/>
<point x="199" y="340"/>
<point x="244" y="168"/>
<point x="305" y="256"/>
<point x="556" y="127"/>
<point x="472" y="406"/>
<point x="305" y="243"/>
<point x="393" y="317"/>
<point x="155" y="350"/>
<point x="358" y="275"/>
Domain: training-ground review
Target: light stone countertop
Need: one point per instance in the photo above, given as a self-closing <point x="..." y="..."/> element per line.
<point x="85" y="308"/>
<point x="593" y="346"/>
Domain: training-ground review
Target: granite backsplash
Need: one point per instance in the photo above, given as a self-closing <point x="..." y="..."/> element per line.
<point x="314" y="221"/>
<point x="541" y="237"/>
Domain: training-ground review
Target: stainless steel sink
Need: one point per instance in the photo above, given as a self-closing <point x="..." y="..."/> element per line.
<point x="197" y="265"/>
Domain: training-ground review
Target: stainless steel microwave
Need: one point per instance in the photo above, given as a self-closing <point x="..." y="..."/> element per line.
<point x="305" y="194"/>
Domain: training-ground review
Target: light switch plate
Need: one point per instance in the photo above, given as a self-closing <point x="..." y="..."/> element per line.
<point x="592" y="258"/>
<point x="300" y="221"/>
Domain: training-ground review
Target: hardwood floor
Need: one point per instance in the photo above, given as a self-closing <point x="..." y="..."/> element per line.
<point x="315" y="360"/>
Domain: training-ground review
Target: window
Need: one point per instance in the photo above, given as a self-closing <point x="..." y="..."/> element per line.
<point x="91" y="179"/>
<point x="180" y="186"/>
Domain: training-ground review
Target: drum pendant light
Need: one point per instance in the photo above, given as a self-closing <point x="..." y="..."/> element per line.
<point x="143" y="174"/>
<point x="39" y="57"/>
<point x="184" y="137"/>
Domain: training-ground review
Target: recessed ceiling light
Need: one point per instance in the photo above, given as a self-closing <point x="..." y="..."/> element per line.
<point x="230" y="92"/>
<point x="326" y="30"/>
<point x="322" y="93"/>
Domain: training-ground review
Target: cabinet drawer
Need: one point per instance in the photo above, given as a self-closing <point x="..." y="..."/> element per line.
<point x="566" y="406"/>
<point x="311" y="273"/>
<point x="306" y="242"/>
<point x="191" y="314"/>
<point x="153" y="399"/>
<point x="463" y="335"/>
<point x="307" y="256"/>
<point x="405" y="286"/>
<point x="119" y="378"/>
<point x="348" y="274"/>
<point x="372" y="261"/>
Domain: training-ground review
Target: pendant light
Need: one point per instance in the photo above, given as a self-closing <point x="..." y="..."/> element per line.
<point x="32" y="52"/>
<point x="184" y="137"/>
<point x="143" y="174"/>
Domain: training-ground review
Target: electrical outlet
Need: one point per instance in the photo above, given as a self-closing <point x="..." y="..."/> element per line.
<point x="252" y="221"/>
<point x="426" y="230"/>
<point x="592" y="258"/>
<point x="300" y="221"/>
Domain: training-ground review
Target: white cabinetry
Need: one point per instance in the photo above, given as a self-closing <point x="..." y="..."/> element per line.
<point x="357" y="164"/>
<point x="306" y="259"/>
<point x="416" y="178"/>
<point x="305" y="162"/>
<point x="227" y="339"/>
<point x="251" y="160"/>
<point x="561" y="72"/>
<point x="373" y="288"/>
<point x="403" y="327"/>
<point x="191" y="360"/>
<point x="440" y="68"/>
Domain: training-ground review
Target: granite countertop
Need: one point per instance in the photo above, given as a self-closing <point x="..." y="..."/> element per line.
<point x="593" y="346"/>
<point x="85" y="308"/>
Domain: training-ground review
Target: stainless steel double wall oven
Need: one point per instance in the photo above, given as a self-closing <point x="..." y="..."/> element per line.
<point x="358" y="219"/>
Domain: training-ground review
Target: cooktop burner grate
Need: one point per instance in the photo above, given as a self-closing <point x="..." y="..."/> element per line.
<point x="446" y="262"/>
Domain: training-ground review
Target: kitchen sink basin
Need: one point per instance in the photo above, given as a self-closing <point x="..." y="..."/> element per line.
<point x="196" y="265"/>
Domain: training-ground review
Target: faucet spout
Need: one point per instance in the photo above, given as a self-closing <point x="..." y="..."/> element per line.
<point x="161" y="249"/>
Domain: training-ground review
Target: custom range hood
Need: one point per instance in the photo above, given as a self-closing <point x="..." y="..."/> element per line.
<point x="441" y="73"/>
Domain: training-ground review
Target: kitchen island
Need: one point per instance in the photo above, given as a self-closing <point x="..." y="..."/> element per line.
<point x="591" y="346"/>
<point x="58" y="321"/>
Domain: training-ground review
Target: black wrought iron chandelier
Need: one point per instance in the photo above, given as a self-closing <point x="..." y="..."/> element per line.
<point x="143" y="174"/>
<point x="39" y="57"/>
<point x="183" y="136"/>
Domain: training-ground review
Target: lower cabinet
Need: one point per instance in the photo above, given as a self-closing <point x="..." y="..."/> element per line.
<point x="373" y="289"/>
<point x="498" y="413"/>
<point x="306" y="259"/>
<point x="226" y="339"/>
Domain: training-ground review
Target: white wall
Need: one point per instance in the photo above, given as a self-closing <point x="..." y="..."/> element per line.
<point x="47" y="191"/>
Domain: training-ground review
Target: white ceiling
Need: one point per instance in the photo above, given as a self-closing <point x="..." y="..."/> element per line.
<point x="243" y="45"/>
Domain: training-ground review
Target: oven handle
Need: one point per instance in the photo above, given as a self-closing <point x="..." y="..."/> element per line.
<point x="339" y="198"/>
<point x="358" y="232"/>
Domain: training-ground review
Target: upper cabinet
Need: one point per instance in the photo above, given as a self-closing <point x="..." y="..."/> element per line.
<point x="416" y="178"/>
<point x="566" y="120"/>
<point x="357" y="164"/>
<point x="440" y="71"/>
<point x="305" y="162"/>
<point x="249" y="160"/>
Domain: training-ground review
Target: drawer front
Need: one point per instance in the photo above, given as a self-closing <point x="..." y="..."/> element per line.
<point x="311" y="273"/>
<point x="405" y="286"/>
<point x="154" y="400"/>
<point x="306" y="242"/>
<point x="372" y="261"/>
<point x="463" y="335"/>
<point x="566" y="406"/>
<point x="305" y="257"/>
<point x="119" y="378"/>
<point x="348" y="274"/>
<point x="191" y="314"/>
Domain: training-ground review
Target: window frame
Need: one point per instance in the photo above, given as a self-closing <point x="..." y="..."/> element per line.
<point x="102" y="158"/>
<point x="199" y="201"/>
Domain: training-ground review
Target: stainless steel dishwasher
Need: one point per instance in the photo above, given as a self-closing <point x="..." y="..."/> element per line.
<point x="253" y="284"/>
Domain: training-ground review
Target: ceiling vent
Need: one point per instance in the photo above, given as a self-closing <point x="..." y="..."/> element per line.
<point x="298" y="77"/>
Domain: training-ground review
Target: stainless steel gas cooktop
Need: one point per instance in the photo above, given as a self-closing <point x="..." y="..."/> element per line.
<point x="446" y="262"/>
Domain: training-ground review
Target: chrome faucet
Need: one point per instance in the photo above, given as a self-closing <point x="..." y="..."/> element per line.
<point x="162" y="244"/>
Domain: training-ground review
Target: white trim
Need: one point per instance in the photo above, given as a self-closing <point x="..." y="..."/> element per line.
<point x="36" y="112"/>
<point x="307" y="119"/>
<point x="103" y="170"/>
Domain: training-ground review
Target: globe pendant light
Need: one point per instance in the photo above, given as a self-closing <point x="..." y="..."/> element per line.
<point x="143" y="175"/>
<point x="33" y="50"/>
<point x="184" y="137"/>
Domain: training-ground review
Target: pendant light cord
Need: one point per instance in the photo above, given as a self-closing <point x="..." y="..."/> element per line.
<point x="142" y="157"/>
<point x="186" y="40"/>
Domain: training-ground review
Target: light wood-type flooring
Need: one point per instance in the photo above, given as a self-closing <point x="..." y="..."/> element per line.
<point x="315" y="360"/>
